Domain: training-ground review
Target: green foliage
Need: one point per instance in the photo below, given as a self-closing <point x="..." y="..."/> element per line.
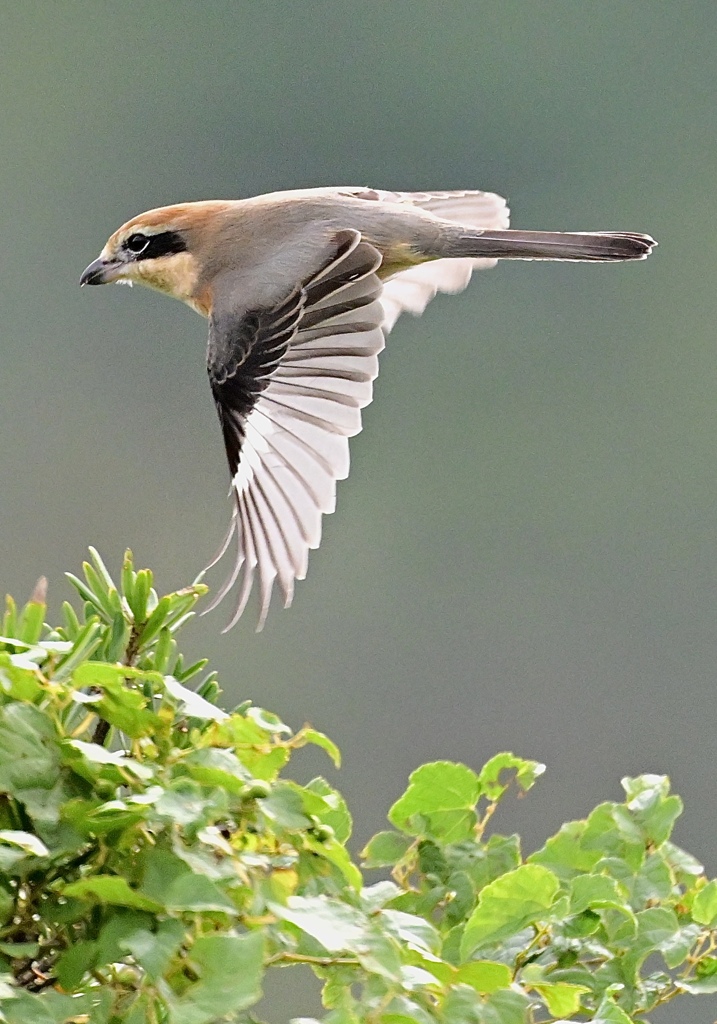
<point x="155" y="862"/>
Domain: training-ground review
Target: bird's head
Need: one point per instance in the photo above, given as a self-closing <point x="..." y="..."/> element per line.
<point x="163" y="249"/>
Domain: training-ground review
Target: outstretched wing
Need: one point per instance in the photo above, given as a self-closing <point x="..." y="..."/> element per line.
<point x="411" y="290"/>
<point x="289" y="383"/>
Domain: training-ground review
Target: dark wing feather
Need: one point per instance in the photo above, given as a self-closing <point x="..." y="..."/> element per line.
<point x="289" y="383"/>
<point x="241" y="357"/>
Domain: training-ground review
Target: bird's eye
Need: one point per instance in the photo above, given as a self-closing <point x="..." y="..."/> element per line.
<point x="136" y="243"/>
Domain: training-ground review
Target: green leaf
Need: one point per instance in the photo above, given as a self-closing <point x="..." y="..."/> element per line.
<point x="154" y="951"/>
<point x="120" y="705"/>
<point x="508" y="904"/>
<point x="415" y="931"/>
<point x="29" y="627"/>
<point x="173" y="885"/>
<point x="98" y="602"/>
<point x="284" y="807"/>
<point x="561" y="998"/>
<point x="320" y="740"/>
<point x="337" y="855"/>
<point x="461" y="896"/>
<point x="335" y="925"/>
<point x="380" y="954"/>
<point x="98" y="755"/>
<point x="191" y="704"/>
<point x="27" y="841"/>
<point x="75" y="962"/>
<point x="525" y="773"/>
<point x="386" y="849"/>
<point x="267" y="721"/>
<point x="110" y="889"/>
<point x="335" y="813"/>
<point x="654" y="809"/>
<point x="462" y="1005"/>
<point x="155" y="622"/>
<point x="401" y="1010"/>
<point x="29" y="754"/>
<point x="656" y="926"/>
<point x="196" y="893"/>
<point x="489" y="860"/>
<point x="140" y="596"/>
<point x="214" y="766"/>
<point x="654" y="881"/>
<point x="609" y="1012"/>
<point x="20" y="681"/>
<point x="683" y="864"/>
<point x="506" y="1006"/>
<point x="675" y="950"/>
<point x="704" y="906"/>
<point x="438" y="786"/>
<point x="229" y="970"/>
<point x="485" y="976"/>
<point x="24" y="1008"/>
<point x="698" y="986"/>
<point x="101" y="568"/>
<point x="587" y="891"/>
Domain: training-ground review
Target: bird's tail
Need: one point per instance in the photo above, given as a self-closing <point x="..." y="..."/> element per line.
<point x="598" y="246"/>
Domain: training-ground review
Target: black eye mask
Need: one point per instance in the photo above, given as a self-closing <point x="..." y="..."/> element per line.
<point x="150" y="247"/>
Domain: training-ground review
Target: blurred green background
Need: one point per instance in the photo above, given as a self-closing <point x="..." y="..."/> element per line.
<point x="525" y="554"/>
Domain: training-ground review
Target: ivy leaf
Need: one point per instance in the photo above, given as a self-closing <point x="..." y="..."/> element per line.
<point x="74" y="963"/>
<point x="525" y="772"/>
<point x="704" y="906"/>
<point x="336" y="813"/>
<point x="110" y="889"/>
<point x="338" y="855"/>
<point x="215" y="766"/>
<point x="29" y="754"/>
<point x="229" y="969"/>
<point x="698" y="986"/>
<point x="485" y="976"/>
<point x="98" y="755"/>
<point x="318" y="739"/>
<point x="440" y="801"/>
<point x="335" y="925"/>
<point x="609" y="1012"/>
<point x="197" y="894"/>
<point x="415" y="931"/>
<point x="120" y="705"/>
<point x="154" y="950"/>
<point x="462" y="1005"/>
<point x="191" y="704"/>
<point x="654" y="809"/>
<point x="508" y="904"/>
<point x="565" y="854"/>
<point x="561" y="998"/>
<point x="438" y="786"/>
<point x="506" y="1006"/>
<point x="386" y="849"/>
<point x="26" y="841"/>
<point x="401" y="1010"/>
<point x="588" y="891"/>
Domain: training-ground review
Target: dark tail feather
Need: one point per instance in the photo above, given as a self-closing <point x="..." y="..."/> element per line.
<point x="602" y="246"/>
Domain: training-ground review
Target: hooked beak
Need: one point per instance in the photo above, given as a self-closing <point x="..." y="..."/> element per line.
<point x="101" y="271"/>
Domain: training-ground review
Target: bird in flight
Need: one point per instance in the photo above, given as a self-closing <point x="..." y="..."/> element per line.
<point x="300" y="289"/>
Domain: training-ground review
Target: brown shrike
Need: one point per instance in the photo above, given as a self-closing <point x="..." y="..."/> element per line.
<point x="300" y="289"/>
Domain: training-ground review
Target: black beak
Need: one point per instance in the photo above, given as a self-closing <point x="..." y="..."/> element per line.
<point x="99" y="272"/>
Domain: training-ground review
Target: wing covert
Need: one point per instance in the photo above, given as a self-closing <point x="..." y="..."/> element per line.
<point x="411" y="290"/>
